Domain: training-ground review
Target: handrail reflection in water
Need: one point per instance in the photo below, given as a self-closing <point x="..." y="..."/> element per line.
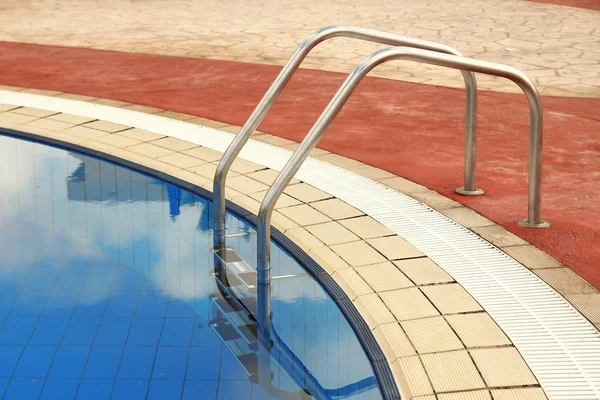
<point x="269" y="346"/>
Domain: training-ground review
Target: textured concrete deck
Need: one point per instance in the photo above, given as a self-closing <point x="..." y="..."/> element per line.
<point x="559" y="47"/>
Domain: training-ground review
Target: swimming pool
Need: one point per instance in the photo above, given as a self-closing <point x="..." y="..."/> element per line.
<point x="108" y="291"/>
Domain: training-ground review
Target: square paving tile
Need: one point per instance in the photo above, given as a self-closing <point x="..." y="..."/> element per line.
<point x="306" y="193"/>
<point x="451" y="298"/>
<point x="588" y="304"/>
<point x="435" y="200"/>
<point x="467" y="217"/>
<point x="411" y="377"/>
<point x="109" y="102"/>
<point x="140" y="134"/>
<point x="499" y="236"/>
<point x="7" y="107"/>
<point x="106" y="126"/>
<point x="395" y="248"/>
<point x="327" y="259"/>
<point x="150" y="150"/>
<point x="174" y="144"/>
<point x="245" y="167"/>
<point x="34" y="112"/>
<point x="332" y="233"/>
<point x="206" y="122"/>
<point x="373" y="310"/>
<point x="366" y="227"/>
<point x="208" y="170"/>
<point x="50" y="124"/>
<point x="314" y="153"/>
<point x="83" y="132"/>
<point x="452" y="371"/>
<point x="245" y="185"/>
<point x="352" y="283"/>
<point x="72" y="119"/>
<point x="283" y="201"/>
<point x="383" y="277"/>
<point x="531" y="257"/>
<point x="267" y="176"/>
<point x="42" y="92"/>
<point x="10" y="119"/>
<point x="336" y="209"/>
<point x="274" y="140"/>
<point x="478" y="330"/>
<point x="358" y="253"/>
<point x="303" y="238"/>
<point x="408" y="304"/>
<point x="423" y="271"/>
<point x="117" y="141"/>
<point x="251" y="205"/>
<point x="78" y="97"/>
<point x="475" y="395"/>
<point x="338" y="160"/>
<point x="371" y="172"/>
<point x="144" y="109"/>
<point x="565" y="280"/>
<point x="304" y="215"/>
<point x="175" y="115"/>
<point x="161" y="166"/>
<point x="393" y="341"/>
<point x="431" y="335"/>
<point x="503" y="367"/>
<point x="403" y="185"/>
<point x="204" y="153"/>
<point x="519" y="394"/>
<point x="281" y="222"/>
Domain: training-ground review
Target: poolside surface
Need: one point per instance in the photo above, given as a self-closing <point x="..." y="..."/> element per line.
<point x="392" y="125"/>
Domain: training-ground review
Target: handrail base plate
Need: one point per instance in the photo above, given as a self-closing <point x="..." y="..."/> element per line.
<point x="465" y="192"/>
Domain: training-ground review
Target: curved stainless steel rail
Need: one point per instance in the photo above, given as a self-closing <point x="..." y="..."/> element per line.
<point x="285" y="75"/>
<point x="534" y="219"/>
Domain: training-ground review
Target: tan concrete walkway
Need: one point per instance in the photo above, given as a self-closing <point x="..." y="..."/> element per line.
<point x="559" y="47"/>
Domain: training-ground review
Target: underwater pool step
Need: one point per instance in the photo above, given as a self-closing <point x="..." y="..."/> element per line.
<point x="239" y="339"/>
<point x="240" y="234"/>
<point x="234" y="264"/>
<point x="243" y="271"/>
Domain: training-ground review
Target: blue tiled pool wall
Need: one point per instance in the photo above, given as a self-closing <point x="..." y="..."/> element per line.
<point x="105" y="287"/>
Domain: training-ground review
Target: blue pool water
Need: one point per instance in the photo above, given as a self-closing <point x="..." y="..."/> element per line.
<point x="107" y="291"/>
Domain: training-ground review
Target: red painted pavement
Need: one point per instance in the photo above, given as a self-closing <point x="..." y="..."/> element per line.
<point x="591" y="4"/>
<point x="412" y="130"/>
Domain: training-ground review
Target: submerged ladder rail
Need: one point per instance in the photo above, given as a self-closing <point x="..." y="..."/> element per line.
<point x="267" y="206"/>
<point x="270" y="346"/>
<point x="285" y="75"/>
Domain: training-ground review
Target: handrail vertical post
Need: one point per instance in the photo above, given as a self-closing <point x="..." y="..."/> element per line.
<point x="470" y="170"/>
<point x="536" y="121"/>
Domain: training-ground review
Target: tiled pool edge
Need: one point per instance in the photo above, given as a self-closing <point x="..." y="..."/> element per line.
<point x="366" y="337"/>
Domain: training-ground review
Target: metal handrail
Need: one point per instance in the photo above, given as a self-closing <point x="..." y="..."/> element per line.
<point x="285" y="75"/>
<point x="534" y="219"/>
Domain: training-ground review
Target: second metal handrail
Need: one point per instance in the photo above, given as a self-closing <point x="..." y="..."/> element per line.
<point x="534" y="219"/>
<point x="285" y="75"/>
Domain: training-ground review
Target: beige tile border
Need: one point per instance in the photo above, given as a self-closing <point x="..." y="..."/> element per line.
<point x="436" y="300"/>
